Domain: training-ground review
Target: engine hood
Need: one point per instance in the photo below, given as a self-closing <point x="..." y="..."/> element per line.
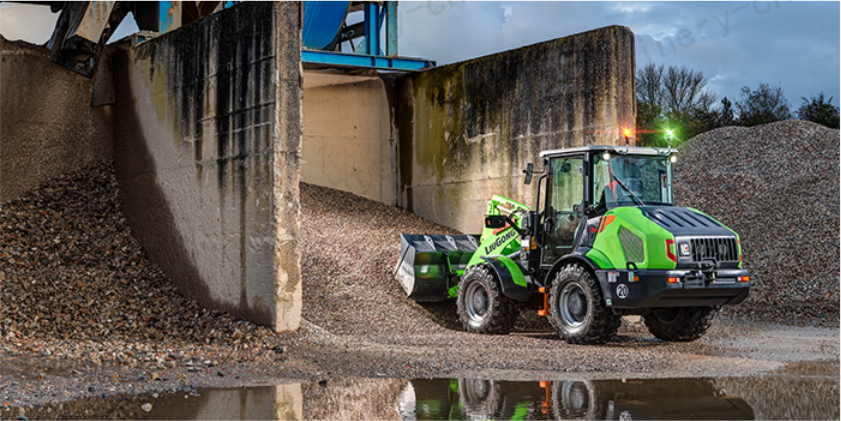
<point x="683" y="222"/>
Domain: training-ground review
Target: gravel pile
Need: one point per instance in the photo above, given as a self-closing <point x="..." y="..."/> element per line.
<point x="71" y="271"/>
<point x="350" y="245"/>
<point x="777" y="185"/>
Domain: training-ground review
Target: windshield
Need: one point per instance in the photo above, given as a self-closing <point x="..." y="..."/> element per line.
<point x="632" y="181"/>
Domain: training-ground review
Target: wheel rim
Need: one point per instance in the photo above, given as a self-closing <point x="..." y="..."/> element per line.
<point x="476" y="390"/>
<point x="573" y="305"/>
<point x="476" y="300"/>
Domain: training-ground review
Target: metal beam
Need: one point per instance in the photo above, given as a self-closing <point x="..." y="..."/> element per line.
<point x="372" y="29"/>
<point x="368" y="61"/>
<point x="391" y="28"/>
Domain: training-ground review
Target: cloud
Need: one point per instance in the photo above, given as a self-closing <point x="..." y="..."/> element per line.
<point x="454" y="31"/>
<point x="734" y="44"/>
<point x="737" y="44"/>
<point x="626" y="8"/>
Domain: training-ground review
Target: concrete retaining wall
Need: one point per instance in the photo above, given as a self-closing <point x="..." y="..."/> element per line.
<point x="467" y="130"/>
<point x="347" y="140"/>
<point x="47" y="126"/>
<point x="206" y="150"/>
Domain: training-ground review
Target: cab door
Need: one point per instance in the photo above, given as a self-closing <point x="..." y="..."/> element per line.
<point x="565" y="190"/>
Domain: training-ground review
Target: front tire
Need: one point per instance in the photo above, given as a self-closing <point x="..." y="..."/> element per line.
<point x="680" y="324"/>
<point x="482" y="307"/>
<point x="479" y="398"/>
<point x="577" y="310"/>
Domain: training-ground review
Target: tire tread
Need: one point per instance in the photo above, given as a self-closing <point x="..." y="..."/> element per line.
<point x="604" y="323"/>
<point x="507" y="310"/>
<point x="691" y="324"/>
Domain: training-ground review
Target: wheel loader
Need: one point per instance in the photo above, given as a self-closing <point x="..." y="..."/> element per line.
<point x="603" y="240"/>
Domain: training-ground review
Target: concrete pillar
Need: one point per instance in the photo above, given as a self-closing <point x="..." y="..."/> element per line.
<point x="206" y="152"/>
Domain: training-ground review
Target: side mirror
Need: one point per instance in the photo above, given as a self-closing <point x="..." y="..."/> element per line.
<point x="529" y="171"/>
<point x="495" y="221"/>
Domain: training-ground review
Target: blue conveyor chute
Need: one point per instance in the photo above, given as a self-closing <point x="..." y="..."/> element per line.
<point x="322" y="22"/>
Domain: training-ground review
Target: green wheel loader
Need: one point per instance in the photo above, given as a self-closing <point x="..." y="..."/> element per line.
<point x="603" y="240"/>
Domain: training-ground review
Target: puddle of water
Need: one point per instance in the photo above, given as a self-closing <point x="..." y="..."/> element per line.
<point x="774" y="397"/>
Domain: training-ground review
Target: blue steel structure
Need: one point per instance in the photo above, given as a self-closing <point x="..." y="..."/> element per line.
<point x="380" y="21"/>
<point x="323" y="29"/>
<point x="366" y="61"/>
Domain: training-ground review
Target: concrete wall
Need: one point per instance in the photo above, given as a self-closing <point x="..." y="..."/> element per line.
<point x="207" y="150"/>
<point x="466" y="130"/>
<point x="47" y="126"/>
<point x="347" y="142"/>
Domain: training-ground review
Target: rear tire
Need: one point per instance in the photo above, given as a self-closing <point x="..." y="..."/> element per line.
<point x="482" y="307"/>
<point x="577" y="310"/>
<point x="576" y="400"/>
<point x="680" y="324"/>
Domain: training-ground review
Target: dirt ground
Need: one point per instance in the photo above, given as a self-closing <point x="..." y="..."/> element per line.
<point x="731" y="348"/>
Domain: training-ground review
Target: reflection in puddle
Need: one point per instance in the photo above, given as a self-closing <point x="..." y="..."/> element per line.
<point x="471" y="399"/>
<point x="600" y="399"/>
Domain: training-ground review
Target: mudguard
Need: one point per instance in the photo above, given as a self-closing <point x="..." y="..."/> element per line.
<point x="511" y="277"/>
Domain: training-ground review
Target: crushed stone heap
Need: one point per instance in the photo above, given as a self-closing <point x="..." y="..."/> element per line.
<point x="70" y="270"/>
<point x="777" y="185"/>
<point x="349" y="246"/>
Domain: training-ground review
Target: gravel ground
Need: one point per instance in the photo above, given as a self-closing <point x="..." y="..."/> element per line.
<point x="777" y="185"/>
<point x="82" y="310"/>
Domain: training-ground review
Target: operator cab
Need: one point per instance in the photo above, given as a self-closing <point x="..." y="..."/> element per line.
<point x="631" y="180"/>
<point x="584" y="183"/>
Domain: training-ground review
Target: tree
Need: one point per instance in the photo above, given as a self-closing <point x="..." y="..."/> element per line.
<point x="818" y="110"/>
<point x="725" y="115"/>
<point x="672" y="105"/>
<point x="650" y="93"/>
<point x="685" y="91"/>
<point x="766" y="104"/>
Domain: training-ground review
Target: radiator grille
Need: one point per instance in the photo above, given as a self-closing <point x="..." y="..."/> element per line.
<point x="720" y="249"/>
<point x="632" y="245"/>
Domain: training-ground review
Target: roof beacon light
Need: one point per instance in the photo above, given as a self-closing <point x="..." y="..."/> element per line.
<point x="627" y="133"/>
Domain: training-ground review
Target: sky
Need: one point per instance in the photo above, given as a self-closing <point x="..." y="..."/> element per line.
<point x="788" y="43"/>
<point x="793" y="44"/>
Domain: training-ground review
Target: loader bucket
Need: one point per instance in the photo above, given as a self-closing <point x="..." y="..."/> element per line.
<point x="430" y="264"/>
